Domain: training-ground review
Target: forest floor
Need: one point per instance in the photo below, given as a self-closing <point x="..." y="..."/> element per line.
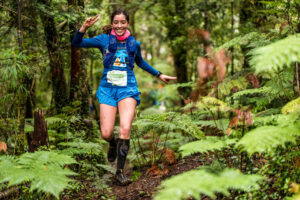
<point x="145" y="187"/>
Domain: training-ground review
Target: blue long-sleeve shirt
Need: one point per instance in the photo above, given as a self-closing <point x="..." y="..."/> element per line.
<point x="101" y="42"/>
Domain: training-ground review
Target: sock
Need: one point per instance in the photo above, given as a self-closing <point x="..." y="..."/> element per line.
<point x="112" y="141"/>
<point x="123" y="148"/>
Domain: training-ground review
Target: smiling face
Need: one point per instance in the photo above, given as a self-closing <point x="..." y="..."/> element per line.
<point x="120" y="24"/>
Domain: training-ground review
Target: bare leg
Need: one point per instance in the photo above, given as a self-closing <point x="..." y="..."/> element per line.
<point x="107" y="121"/>
<point x="126" y="110"/>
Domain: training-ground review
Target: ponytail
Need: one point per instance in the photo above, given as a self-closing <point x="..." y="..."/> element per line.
<point x="107" y="29"/>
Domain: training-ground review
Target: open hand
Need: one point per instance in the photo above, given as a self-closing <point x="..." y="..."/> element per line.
<point x="90" y="21"/>
<point x="166" y="78"/>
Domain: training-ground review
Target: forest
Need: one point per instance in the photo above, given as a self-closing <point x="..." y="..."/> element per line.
<point x="228" y="128"/>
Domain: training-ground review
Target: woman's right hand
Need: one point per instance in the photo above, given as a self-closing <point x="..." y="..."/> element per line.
<point x="88" y="23"/>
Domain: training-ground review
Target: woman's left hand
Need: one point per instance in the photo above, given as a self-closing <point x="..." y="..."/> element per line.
<point x="166" y="78"/>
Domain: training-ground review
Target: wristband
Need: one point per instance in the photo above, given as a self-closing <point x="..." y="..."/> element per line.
<point x="157" y="75"/>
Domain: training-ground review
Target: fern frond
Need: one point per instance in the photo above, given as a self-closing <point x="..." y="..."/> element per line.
<point x="186" y="124"/>
<point x="54" y="120"/>
<point x="79" y="147"/>
<point x="220" y="124"/>
<point x="225" y="87"/>
<point x="258" y="96"/>
<point x="45" y="158"/>
<point x="266" y="120"/>
<point x="265" y="91"/>
<point x="197" y="182"/>
<point x="108" y="168"/>
<point x="168" y="122"/>
<point x="277" y="55"/>
<point x="43" y="169"/>
<point x="211" y="143"/>
<point x="266" y="138"/>
<point x="291" y="106"/>
<point x="211" y="103"/>
<point x="258" y="38"/>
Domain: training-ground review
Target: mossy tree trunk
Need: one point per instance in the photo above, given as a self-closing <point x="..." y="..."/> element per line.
<point x="75" y="6"/>
<point x="59" y="97"/>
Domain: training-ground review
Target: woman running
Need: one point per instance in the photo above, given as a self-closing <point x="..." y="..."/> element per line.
<point x="118" y="87"/>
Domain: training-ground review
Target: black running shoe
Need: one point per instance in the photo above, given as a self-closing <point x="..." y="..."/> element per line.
<point x="122" y="179"/>
<point x="112" y="152"/>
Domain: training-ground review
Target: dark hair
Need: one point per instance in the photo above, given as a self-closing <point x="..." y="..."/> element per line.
<point x="107" y="28"/>
<point x="119" y="12"/>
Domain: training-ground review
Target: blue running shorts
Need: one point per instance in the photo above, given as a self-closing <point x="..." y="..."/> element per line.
<point x="112" y="95"/>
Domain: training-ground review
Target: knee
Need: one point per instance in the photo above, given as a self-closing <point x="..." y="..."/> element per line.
<point x="125" y="130"/>
<point x="106" y="133"/>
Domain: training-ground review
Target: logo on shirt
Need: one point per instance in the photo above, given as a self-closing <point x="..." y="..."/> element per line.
<point x="121" y="56"/>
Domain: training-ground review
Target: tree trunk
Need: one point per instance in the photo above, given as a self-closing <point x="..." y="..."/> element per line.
<point x="84" y="96"/>
<point x="40" y="134"/>
<point x="177" y="35"/>
<point x="75" y="52"/>
<point x="59" y="97"/>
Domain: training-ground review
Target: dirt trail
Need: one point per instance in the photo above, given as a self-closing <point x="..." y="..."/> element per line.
<point x="145" y="187"/>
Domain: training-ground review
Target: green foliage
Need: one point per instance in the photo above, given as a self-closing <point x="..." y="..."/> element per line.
<point x="220" y="124"/>
<point x="292" y="106"/>
<point x="211" y="143"/>
<point x="277" y="55"/>
<point x="224" y="89"/>
<point x="212" y="104"/>
<point x="273" y="131"/>
<point x="200" y="181"/>
<point x="267" y="138"/>
<point x="80" y="147"/>
<point x="168" y="122"/>
<point x="254" y="38"/>
<point x="45" y="170"/>
<point x="260" y="97"/>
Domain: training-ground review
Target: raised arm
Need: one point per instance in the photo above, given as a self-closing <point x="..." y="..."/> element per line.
<point x="98" y="41"/>
<point x="145" y="66"/>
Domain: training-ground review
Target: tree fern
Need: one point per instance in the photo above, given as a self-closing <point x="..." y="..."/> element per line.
<point x="277" y="55"/>
<point x="266" y="138"/>
<point x="200" y="181"/>
<point x="43" y="169"/>
<point x="211" y="143"/>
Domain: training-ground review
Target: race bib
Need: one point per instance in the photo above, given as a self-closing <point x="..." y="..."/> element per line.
<point x="116" y="77"/>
